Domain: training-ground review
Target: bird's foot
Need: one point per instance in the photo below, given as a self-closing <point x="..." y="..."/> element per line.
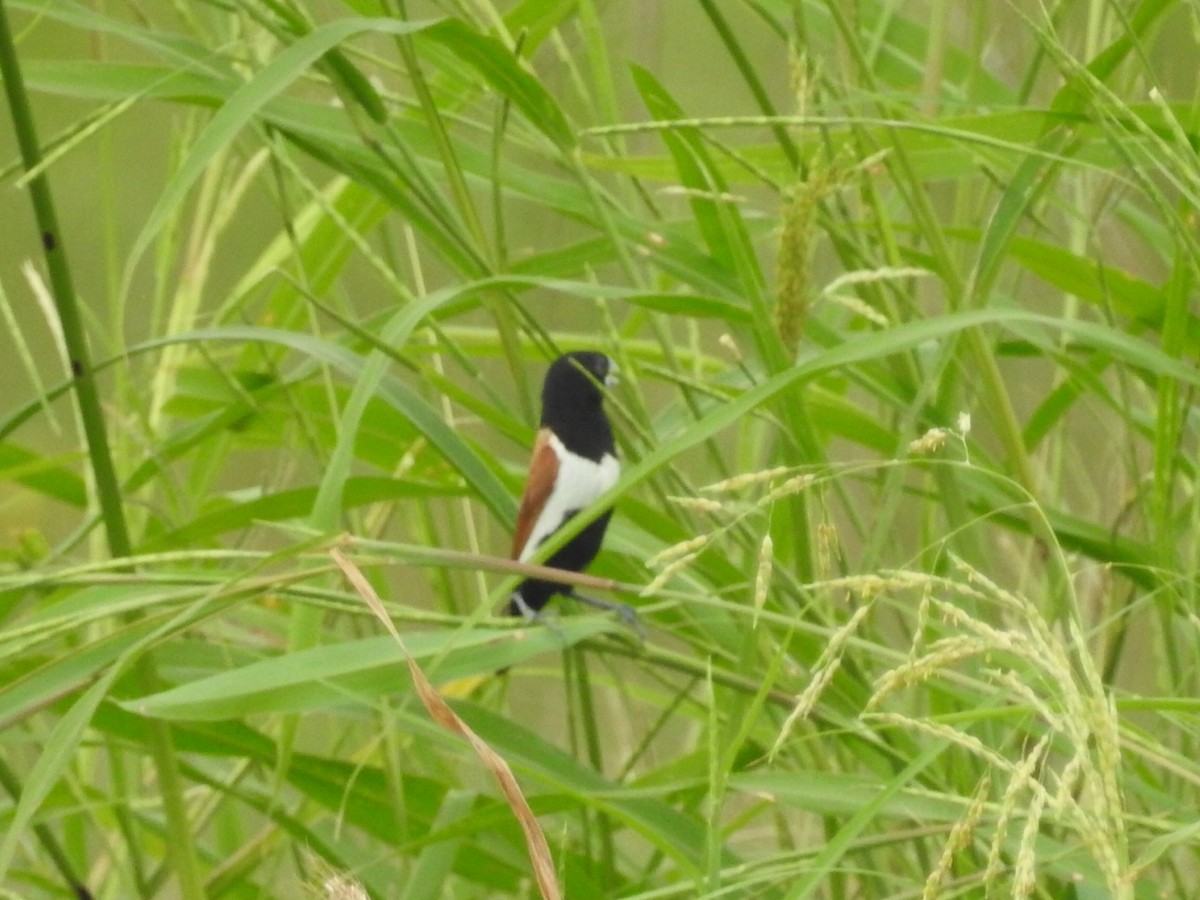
<point x="626" y="613"/>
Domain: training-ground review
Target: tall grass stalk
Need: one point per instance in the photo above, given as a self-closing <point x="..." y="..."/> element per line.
<point x="903" y="303"/>
<point x="108" y="491"/>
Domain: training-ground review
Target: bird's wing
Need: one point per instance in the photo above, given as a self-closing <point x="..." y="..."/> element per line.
<point x="543" y="470"/>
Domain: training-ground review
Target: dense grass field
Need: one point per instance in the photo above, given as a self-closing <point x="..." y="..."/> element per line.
<point x="904" y="298"/>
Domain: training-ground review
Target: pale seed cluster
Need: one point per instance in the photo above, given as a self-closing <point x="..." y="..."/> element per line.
<point x="1050" y="675"/>
<point x="736" y="498"/>
<point x="935" y="439"/>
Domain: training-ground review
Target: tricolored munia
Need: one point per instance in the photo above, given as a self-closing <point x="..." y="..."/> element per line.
<point x="574" y="462"/>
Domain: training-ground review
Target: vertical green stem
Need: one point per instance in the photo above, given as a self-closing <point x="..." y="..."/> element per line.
<point x="91" y="413"/>
<point x="12" y="785"/>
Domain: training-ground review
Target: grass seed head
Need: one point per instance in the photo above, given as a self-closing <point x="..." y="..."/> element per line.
<point x="762" y="578"/>
<point x="699" y="504"/>
<point x="746" y="479"/>
<point x="930" y="442"/>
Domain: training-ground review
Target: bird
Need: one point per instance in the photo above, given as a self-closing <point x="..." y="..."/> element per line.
<point x="574" y="461"/>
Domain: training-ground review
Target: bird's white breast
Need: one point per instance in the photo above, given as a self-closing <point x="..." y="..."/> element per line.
<point x="579" y="482"/>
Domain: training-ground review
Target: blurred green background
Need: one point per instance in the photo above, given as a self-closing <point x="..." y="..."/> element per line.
<point x="903" y="295"/>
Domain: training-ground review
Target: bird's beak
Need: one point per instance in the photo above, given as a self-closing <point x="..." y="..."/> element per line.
<point x="611" y="380"/>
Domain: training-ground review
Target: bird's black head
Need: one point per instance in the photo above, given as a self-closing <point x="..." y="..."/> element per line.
<point x="576" y="377"/>
<point x="571" y="398"/>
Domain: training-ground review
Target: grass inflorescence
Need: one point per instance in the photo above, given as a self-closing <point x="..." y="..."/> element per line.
<point x="903" y="300"/>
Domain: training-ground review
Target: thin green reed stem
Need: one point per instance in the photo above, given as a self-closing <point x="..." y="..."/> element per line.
<point x="750" y="76"/>
<point x="91" y="413"/>
<point x="12" y="785"/>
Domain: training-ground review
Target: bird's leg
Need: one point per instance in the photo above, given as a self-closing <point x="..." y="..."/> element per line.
<point x="627" y="613"/>
<point x="517" y="604"/>
<point x="528" y="613"/>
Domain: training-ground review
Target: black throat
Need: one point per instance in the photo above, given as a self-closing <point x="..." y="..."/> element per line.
<point x="574" y="413"/>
